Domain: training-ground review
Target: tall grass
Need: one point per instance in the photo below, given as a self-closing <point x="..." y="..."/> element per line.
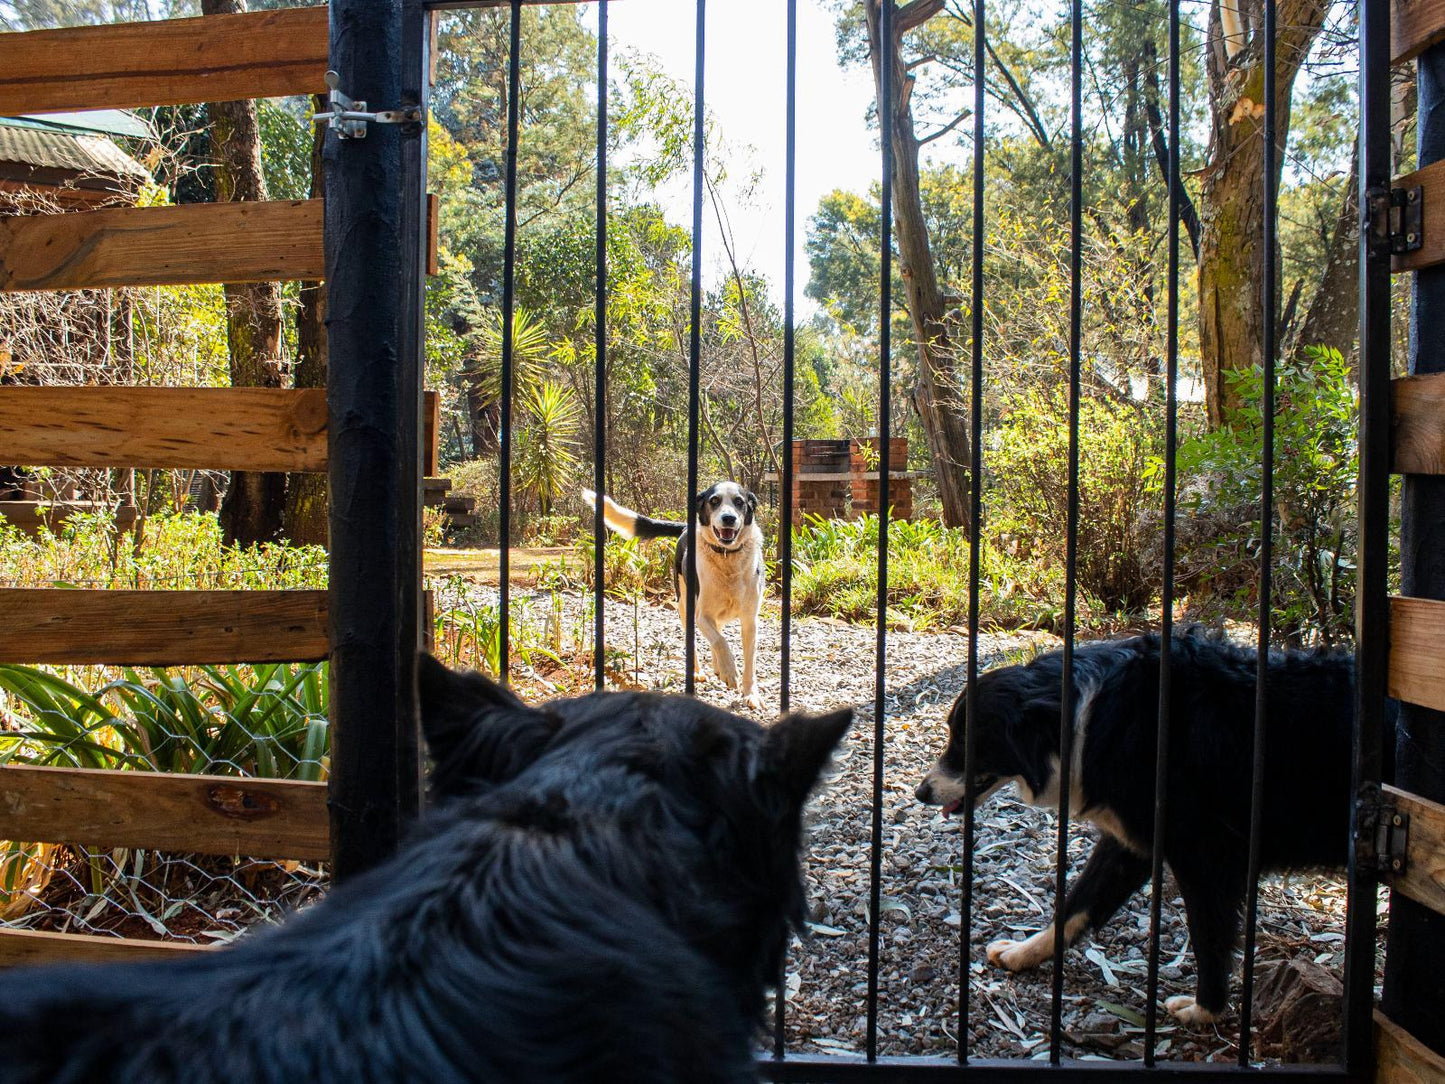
<point x="835" y="573"/>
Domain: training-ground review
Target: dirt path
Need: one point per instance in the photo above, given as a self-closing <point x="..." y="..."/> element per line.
<point x="920" y="950"/>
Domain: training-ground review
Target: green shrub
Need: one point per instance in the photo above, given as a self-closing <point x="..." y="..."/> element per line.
<point x="1316" y="463"/>
<point x="1028" y="480"/>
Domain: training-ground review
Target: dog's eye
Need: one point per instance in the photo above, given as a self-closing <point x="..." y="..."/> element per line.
<point x="716" y="501"/>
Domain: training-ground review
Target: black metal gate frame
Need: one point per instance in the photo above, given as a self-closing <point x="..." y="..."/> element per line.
<point x="1371" y="615"/>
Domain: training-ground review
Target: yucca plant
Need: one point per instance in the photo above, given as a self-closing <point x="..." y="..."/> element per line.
<point x="267" y="721"/>
<point x="547" y="432"/>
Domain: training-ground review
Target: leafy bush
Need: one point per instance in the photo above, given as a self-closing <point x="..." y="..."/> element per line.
<point x="1316" y="463"/>
<point x="1028" y="472"/>
<point x="169" y="550"/>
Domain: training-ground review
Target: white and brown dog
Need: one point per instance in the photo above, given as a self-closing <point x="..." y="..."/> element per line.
<point x="730" y="571"/>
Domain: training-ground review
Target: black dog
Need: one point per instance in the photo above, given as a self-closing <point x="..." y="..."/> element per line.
<point x="602" y="894"/>
<point x="1206" y="841"/>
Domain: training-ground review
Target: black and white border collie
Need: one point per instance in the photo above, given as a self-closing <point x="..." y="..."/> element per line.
<point x="1307" y="784"/>
<point x="731" y="575"/>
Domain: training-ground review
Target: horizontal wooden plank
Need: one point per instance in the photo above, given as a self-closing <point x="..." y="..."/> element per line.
<point x="214" y="58"/>
<point x="1418" y="424"/>
<point x="29" y="948"/>
<point x="165" y="811"/>
<point x="1423" y="879"/>
<point x="1417" y="651"/>
<point x="1431" y="181"/>
<point x="161" y="628"/>
<point x="1400" y="1058"/>
<point x="257" y="429"/>
<point x="163" y="246"/>
<point x="1415" y="25"/>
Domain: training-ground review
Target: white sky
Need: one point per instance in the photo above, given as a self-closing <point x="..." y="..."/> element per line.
<point x="744" y="86"/>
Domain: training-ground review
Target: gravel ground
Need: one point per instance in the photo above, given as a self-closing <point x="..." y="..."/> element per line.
<point x="1300" y="917"/>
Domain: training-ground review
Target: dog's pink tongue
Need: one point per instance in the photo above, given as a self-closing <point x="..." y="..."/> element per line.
<point x="953" y="807"/>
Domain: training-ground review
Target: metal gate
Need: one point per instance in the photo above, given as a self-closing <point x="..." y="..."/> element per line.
<point x="1373" y="618"/>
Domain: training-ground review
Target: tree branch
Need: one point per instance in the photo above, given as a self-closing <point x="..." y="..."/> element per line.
<point x="915" y="14"/>
<point x="950" y="126"/>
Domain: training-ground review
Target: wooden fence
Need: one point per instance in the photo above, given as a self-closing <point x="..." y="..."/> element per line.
<point x="211" y="58"/>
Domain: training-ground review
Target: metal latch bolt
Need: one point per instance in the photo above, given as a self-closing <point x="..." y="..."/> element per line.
<point x="349" y="118"/>
<point x="1382" y="832"/>
<point x="1395" y="218"/>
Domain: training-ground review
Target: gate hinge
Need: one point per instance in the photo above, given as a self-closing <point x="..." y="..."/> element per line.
<point x="349" y="118"/>
<point x="1395" y="219"/>
<point x="1382" y="832"/>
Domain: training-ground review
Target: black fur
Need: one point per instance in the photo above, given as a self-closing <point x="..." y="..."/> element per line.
<point x="602" y="893"/>
<point x="1307" y="770"/>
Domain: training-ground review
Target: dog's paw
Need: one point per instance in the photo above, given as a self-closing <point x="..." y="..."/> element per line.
<point x="726" y="670"/>
<point x="1014" y="955"/>
<point x="1184" y="1009"/>
<point x="753" y="701"/>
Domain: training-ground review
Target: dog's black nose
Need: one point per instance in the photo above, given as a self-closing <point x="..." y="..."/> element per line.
<point x="924" y="793"/>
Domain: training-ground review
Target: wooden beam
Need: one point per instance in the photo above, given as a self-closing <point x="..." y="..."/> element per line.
<point x="1431" y="181"/>
<point x="30" y="948"/>
<point x="433" y="213"/>
<point x="258" y="54"/>
<point x="1417" y="651"/>
<point x="1418" y="424"/>
<point x="163" y="246"/>
<point x="165" y="811"/>
<point x="256" y="429"/>
<point x="431" y="437"/>
<point x="161" y="628"/>
<point x="1400" y="1058"/>
<point x="1424" y="877"/>
<point x="1415" y="25"/>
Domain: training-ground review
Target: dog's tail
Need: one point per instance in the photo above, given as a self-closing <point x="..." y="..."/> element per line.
<point x="630" y="524"/>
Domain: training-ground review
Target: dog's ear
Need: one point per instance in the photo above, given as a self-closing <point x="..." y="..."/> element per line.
<point x="1033" y="738"/>
<point x="798" y="746"/>
<point x="476" y="730"/>
<point x="752" y="500"/>
<point x="702" y="503"/>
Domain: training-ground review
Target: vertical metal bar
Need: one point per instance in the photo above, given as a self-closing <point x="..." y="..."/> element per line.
<point x="1071" y="542"/>
<point x="1372" y="614"/>
<point x="375" y="452"/>
<point x="975" y="519"/>
<point x="694" y="354"/>
<point x="785" y="520"/>
<point x="785" y="527"/>
<point x="884" y="491"/>
<point x="509" y="268"/>
<point x="1266" y="535"/>
<point x="599" y="402"/>
<point x="1166" y="601"/>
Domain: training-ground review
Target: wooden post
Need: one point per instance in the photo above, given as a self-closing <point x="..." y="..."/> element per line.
<point x="374" y="407"/>
<point x="1414" y="995"/>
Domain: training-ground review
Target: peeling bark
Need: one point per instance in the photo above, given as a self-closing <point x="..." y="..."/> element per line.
<point x="1231" y="197"/>
<point x="252" y="509"/>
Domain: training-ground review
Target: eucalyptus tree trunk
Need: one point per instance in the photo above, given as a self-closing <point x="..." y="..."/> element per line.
<point x="252" y="509"/>
<point x="938" y="393"/>
<point x="306" y="521"/>
<point x="1231" y="195"/>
